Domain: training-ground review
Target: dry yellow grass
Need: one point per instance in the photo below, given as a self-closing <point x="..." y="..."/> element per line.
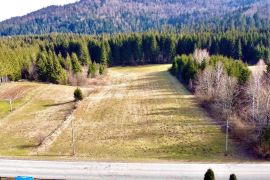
<point x="24" y="128"/>
<point x="144" y="114"/>
<point x="138" y="113"/>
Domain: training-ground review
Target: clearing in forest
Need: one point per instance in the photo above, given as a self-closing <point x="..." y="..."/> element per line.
<point x="135" y="113"/>
<point x="143" y="114"/>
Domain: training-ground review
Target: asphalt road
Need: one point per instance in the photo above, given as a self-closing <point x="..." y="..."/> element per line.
<point x="104" y="170"/>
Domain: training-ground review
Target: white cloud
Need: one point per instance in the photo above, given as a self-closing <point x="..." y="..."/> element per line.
<point x="12" y="8"/>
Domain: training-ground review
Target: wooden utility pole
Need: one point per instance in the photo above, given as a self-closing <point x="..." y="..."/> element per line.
<point x="73" y="138"/>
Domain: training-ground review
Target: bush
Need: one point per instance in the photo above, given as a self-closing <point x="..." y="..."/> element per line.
<point x="78" y="96"/>
<point x="233" y="177"/>
<point x="209" y="175"/>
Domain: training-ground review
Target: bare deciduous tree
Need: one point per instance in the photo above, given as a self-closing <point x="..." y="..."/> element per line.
<point x="200" y="55"/>
<point x="204" y="84"/>
<point x="14" y="96"/>
<point x="259" y="97"/>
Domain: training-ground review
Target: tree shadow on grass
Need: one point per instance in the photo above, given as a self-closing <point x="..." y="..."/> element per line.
<point x="58" y="104"/>
<point x="26" y="146"/>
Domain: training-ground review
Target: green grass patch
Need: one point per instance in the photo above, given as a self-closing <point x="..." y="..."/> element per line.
<point x="5" y="107"/>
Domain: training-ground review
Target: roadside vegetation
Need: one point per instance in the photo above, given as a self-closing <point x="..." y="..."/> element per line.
<point x="229" y="90"/>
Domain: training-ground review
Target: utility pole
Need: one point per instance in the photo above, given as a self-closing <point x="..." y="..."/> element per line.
<point x="227" y="134"/>
<point x="73" y="137"/>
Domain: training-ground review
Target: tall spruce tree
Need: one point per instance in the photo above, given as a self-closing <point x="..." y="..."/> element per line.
<point x="76" y="67"/>
<point x="103" y="55"/>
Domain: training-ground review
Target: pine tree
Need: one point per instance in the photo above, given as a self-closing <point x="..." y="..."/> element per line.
<point x="102" y="69"/>
<point x="233" y="177"/>
<point x="103" y="55"/>
<point x="58" y="74"/>
<point x="169" y="48"/>
<point x="238" y="50"/>
<point x="61" y="60"/>
<point x="76" y="67"/>
<point x="84" y="55"/>
<point x="42" y="66"/>
<point x="209" y="175"/>
<point x="94" y="48"/>
<point x="78" y="95"/>
<point x="68" y="63"/>
<point x="153" y="48"/>
<point x="137" y="48"/>
<point x="92" y="70"/>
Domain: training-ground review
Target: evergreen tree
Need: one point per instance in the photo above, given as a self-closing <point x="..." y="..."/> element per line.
<point x="137" y="49"/>
<point x="92" y="70"/>
<point x="209" y="175"/>
<point x="57" y="74"/>
<point x="233" y="177"/>
<point x="102" y="68"/>
<point x="78" y="95"/>
<point x="76" y="67"/>
<point x="238" y="50"/>
<point x="42" y="66"/>
<point x="61" y="60"/>
<point x="169" y="47"/>
<point x="94" y="50"/>
<point x="84" y="55"/>
<point x="68" y="63"/>
<point x="103" y="55"/>
<point x="154" y="50"/>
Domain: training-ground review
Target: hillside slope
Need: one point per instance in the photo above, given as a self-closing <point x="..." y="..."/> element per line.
<point x="134" y="113"/>
<point x="99" y="16"/>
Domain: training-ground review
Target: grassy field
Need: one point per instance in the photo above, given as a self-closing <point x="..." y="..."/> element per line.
<point x="144" y="114"/>
<point x="37" y="113"/>
<point x="137" y="113"/>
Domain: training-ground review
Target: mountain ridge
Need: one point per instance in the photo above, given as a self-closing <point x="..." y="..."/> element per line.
<point x="103" y="16"/>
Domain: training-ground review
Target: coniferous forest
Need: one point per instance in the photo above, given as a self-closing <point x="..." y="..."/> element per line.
<point x="50" y="58"/>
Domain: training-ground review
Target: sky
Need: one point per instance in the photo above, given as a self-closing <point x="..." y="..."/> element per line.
<point x="12" y="8"/>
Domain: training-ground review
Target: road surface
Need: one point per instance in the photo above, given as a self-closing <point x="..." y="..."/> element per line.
<point x="106" y="170"/>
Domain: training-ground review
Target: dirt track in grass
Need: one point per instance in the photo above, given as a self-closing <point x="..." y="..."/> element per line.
<point x="143" y="114"/>
<point x="133" y="114"/>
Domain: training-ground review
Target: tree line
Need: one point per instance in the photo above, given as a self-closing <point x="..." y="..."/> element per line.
<point x="59" y="57"/>
<point x="230" y="91"/>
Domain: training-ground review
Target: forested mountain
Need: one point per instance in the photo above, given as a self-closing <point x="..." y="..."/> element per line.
<point x="109" y="16"/>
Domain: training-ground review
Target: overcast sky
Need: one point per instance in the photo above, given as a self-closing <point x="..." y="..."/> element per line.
<point x="12" y="8"/>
